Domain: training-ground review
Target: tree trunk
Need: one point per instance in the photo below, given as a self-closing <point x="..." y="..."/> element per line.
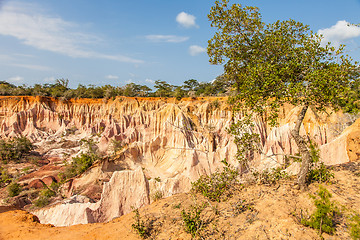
<point x="304" y="151"/>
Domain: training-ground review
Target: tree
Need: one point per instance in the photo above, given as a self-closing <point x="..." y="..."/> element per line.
<point x="278" y="63"/>
<point x="190" y="85"/>
<point x="144" y="91"/>
<point x="164" y="89"/>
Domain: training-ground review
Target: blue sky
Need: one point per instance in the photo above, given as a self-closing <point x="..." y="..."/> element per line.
<point x="117" y="42"/>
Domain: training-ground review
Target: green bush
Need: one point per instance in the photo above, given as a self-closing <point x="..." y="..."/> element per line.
<point x="42" y="201"/>
<point x="5" y="177"/>
<point x="318" y="172"/>
<point x="79" y="165"/>
<point x="14" y="149"/>
<point x="116" y="146"/>
<point x="141" y="227"/>
<point x="323" y="216"/>
<point x="82" y="163"/>
<point x="157" y="195"/>
<point x="14" y="189"/>
<point x="192" y="220"/>
<point x="44" y="198"/>
<point x="217" y="184"/>
<point x="214" y="105"/>
<point x="48" y="193"/>
<point x="355" y="226"/>
<point x="270" y="176"/>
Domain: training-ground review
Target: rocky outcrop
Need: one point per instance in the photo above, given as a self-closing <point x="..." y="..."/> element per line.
<point x="126" y="190"/>
<point x="344" y="148"/>
<point x="171" y="142"/>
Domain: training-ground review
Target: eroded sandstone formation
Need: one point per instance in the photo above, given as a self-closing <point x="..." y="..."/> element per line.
<point x="167" y="145"/>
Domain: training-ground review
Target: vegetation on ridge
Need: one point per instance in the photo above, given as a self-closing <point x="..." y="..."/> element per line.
<point x="60" y="89"/>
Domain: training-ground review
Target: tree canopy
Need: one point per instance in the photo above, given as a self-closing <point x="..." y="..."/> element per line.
<point x="60" y="89"/>
<point x="277" y="63"/>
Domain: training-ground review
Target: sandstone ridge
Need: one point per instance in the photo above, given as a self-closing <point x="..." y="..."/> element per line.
<point x="168" y="144"/>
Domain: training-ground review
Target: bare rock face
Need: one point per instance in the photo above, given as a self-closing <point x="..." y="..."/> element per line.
<point x="126" y="190"/>
<point x="344" y="148"/>
<point x="37" y="184"/>
<point x="167" y="145"/>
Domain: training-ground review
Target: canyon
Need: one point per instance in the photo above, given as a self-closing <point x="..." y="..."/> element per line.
<point x="166" y="145"/>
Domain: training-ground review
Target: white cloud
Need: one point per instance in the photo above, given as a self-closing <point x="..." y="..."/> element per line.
<point x="186" y="20"/>
<point x="16" y="79"/>
<point x="149" y="80"/>
<point x="32" y="67"/>
<point x="339" y="33"/>
<point x="167" y="38"/>
<point x="27" y="23"/>
<point x="196" y="50"/>
<point x="49" y="79"/>
<point x="112" y="77"/>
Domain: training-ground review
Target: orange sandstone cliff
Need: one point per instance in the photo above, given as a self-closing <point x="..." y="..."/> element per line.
<point x="167" y="145"/>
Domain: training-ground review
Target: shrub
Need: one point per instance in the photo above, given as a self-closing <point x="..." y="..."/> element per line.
<point x="270" y="176"/>
<point x="44" y="198"/>
<point x="217" y="184"/>
<point x="14" y="149"/>
<point x="157" y="195"/>
<point x="82" y="163"/>
<point x="6" y="151"/>
<point x="141" y="227"/>
<point x="79" y="165"/>
<point x="214" y="105"/>
<point x="14" y="189"/>
<point x="192" y="220"/>
<point x="355" y="226"/>
<point x="48" y="193"/>
<point x="5" y="177"/>
<point x="323" y="216"/>
<point x="22" y="146"/>
<point x="318" y="172"/>
<point x="177" y="206"/>
<point x="42" y="201"/>
<point x="116" y="146"/>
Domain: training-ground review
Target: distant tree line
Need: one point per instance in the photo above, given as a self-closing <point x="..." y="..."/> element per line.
<point x="60" y="89"/>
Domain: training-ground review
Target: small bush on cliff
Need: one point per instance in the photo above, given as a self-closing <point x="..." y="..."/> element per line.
<point x="323" y="216"/>
<point x="14" y="149"/>
<point x="5" y="177"/>
<point x="14" y="189"/>
<point x="157" y="195"/>
<point x="217" y="184"/>
<point x="83" y="162"/>
<point x="44" y="198"/>
<point x="42" y="201"/>
<point x="116" y="146"/>
<point x="79" y="165"/>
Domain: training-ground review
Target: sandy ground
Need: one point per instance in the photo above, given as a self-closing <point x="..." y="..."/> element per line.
<point x="253" y="212"/>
